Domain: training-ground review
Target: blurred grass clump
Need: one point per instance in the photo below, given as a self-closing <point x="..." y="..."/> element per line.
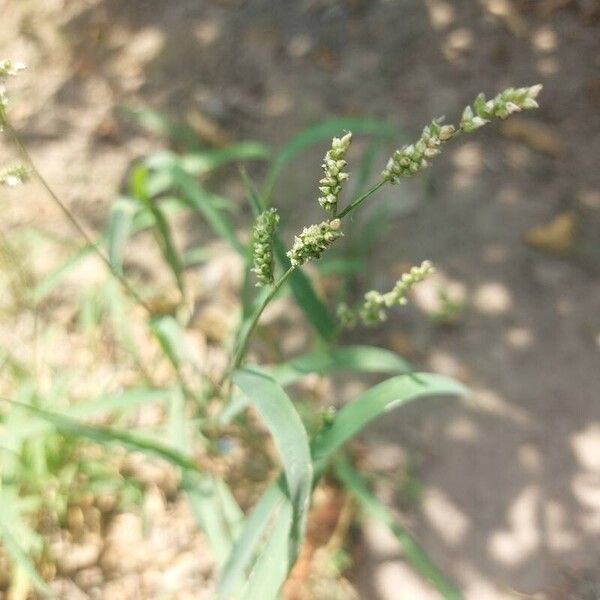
<point x="255" y="466"/>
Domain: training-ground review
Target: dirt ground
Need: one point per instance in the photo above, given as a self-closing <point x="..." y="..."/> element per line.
<point x="510" y="476"/>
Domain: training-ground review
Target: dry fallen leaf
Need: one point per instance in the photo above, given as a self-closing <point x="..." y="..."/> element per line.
<point x="556" y="237"/>
<point x="538" y="136"/>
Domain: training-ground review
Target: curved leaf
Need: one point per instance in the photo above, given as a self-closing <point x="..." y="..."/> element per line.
<point x="201" y="490"/>
<point x="246" y="545"/>
<point x="289" y="435"/>
<point x="172" y="340"/>
<point x="195" y="196"/>
<point x="374" y="402"/>
<point x="199" y="163"/>
<point x="348" y="422"/>
<point x="366" y="359"/>
<point x="107" y="435"/>
<point x="118" y="401"/>
<point x="272" y="566"/>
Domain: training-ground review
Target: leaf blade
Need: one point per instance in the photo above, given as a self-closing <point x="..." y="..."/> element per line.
<point x="247" y="543"/>
<point x="200" y="200"/>
<point x="118" y="230"/>
<point x="202" y="494"/>
<point x="365" y="359"/>
<point x="288" y="432"/>
<point x="107" y="435"/>
<point x="381" y="398"/>
<point x="271" y="567"/>
<point x="14" y="549"/>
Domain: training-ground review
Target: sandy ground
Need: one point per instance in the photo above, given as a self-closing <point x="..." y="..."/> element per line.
<point x="511" y="475"/>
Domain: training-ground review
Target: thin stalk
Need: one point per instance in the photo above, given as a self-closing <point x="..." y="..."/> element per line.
<point x="245" y="335"/>
<point x="356" y="203"/>
<point x="72" y="219"/>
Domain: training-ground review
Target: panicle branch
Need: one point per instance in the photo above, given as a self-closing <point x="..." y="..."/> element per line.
<point x="372" y="310"/>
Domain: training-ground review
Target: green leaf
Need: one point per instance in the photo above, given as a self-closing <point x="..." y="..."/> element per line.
<point x="120" y="320"/>
<point x="366" y="359"/>
<point x="237" y="403"/>
<point x="118" y="401"/>
<point x="289" y="435"/>
<point x="371" y="404"/>
<point x="22" y="560"/>
<point x="201" y="490"/>
<point x="252" y="193"/>
<point x="115" y="402"/>
<point x="357" y="485"/>
<point x="168" y="172"/>
<point x="341" y="266"/>
<point x="349" y="421"/>
<point x="249" y="540"/>
<point x="108" y="435"/>
<point x="196" y="256"/>
<point x="144" y="187"/>
<point x="200" y="163"/>
<point x="272" y="566"/>
<point x="317" y="133"/>
<point x="232" y="513"/>
<point x="366" y="166"/>
<point x="10" y="524"/>
<point x="176" y="421"/>
<point x="170" y="253"/>
<point x="200" y="200"/>
<point x="172" y="340"/>
<point x="159" y="124"/>
<point x="118" y="230"/>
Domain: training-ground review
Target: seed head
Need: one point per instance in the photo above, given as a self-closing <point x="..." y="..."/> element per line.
<point x="408" y="280"/>
<point x="411" y="159"/>
<point x="14" y="175"/>
<point x="502" y="106"/>
<point x="7" y="69"/>
<point x="313" y="241"/>
<point x="333" y="163"/>
<point x="262" y="246"/>
<point x="372" y="310"/>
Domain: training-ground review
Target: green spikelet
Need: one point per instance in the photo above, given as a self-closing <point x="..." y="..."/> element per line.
<point x="333" y="163"/>
<point x="262" y="246"/>
<point x="313" y="241"/>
